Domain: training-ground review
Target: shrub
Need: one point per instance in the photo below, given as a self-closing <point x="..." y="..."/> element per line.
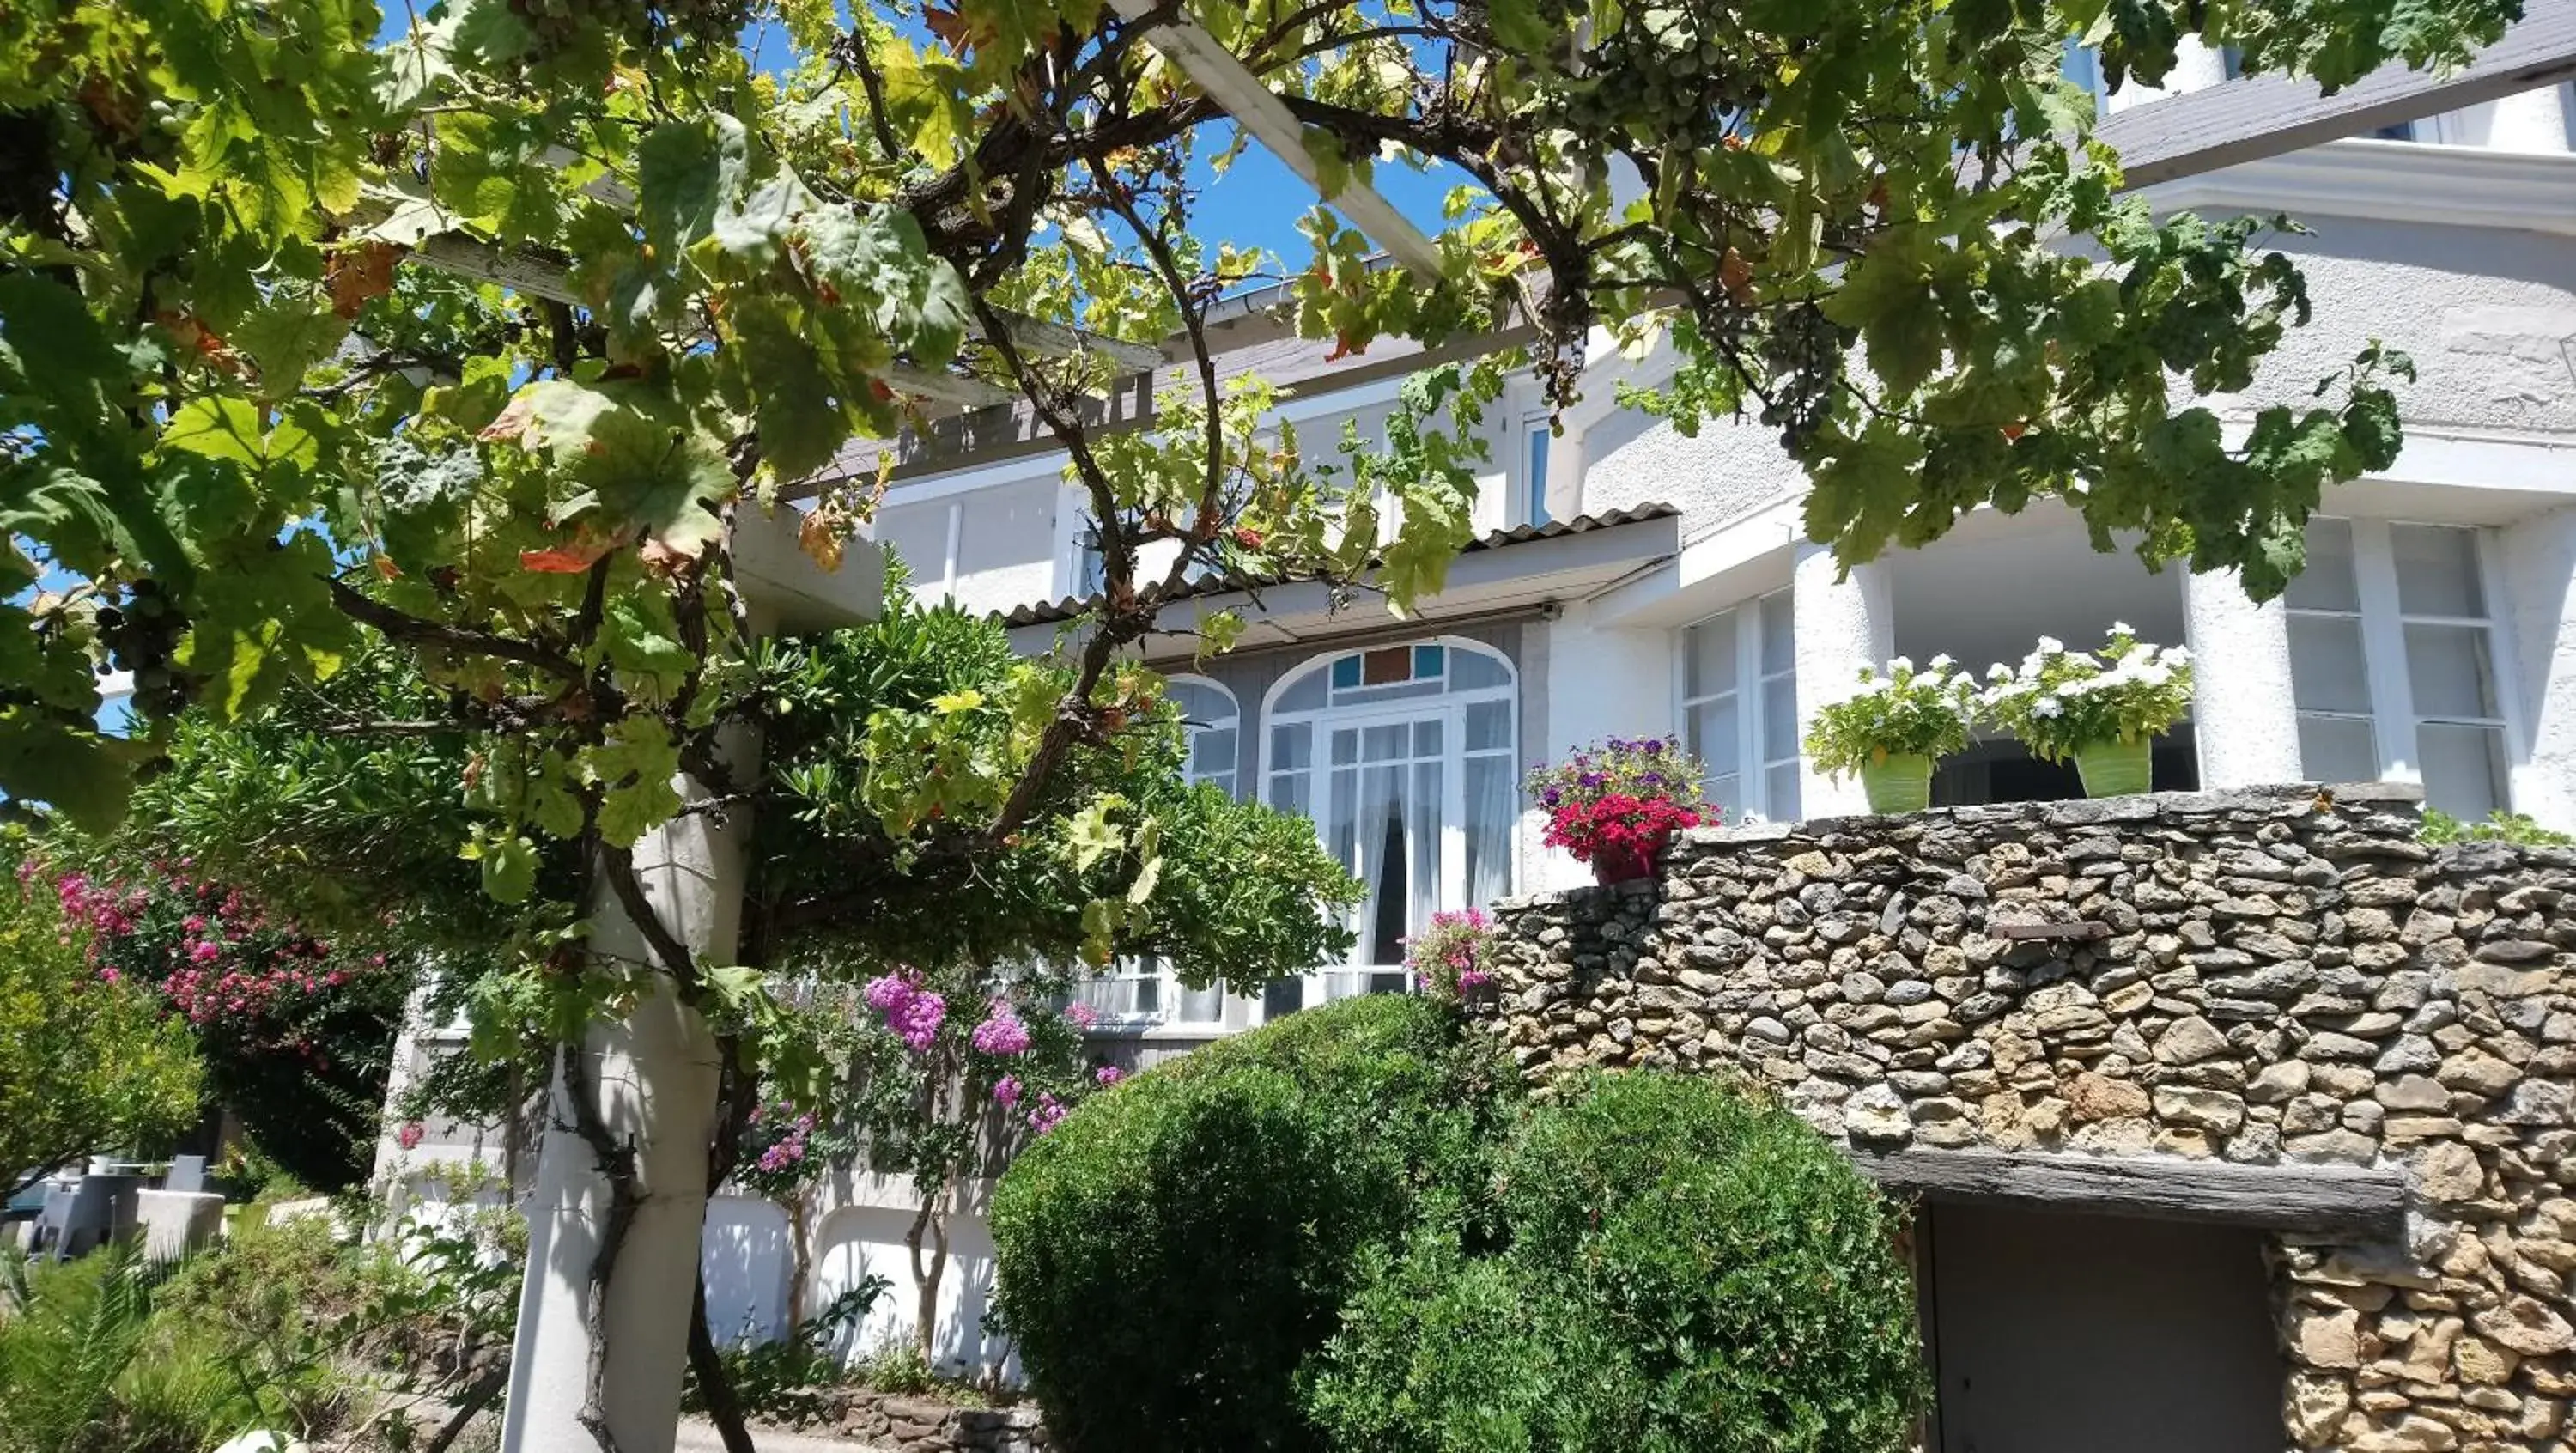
<point x="1174" y="1252"/>
<point x="792" y="1379"/>
<point x="1682" y="1267"/>
<point x="2441" y="829"/>
<point x="90" y="1363"/>
<point x="88" y="1064"/>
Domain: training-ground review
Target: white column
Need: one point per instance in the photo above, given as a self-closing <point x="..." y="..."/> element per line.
<point x="654" y="1081"/>
<point x="1843" y="624"/>
<point x="2242" y="712"/>
<point x="2196" y="68"/>
<point x="2529" y="121"/>
<point x="2538" y="555"/>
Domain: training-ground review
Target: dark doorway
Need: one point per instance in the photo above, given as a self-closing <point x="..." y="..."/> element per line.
<point x="2100" y="1334"/>
<point x="2004" y="771"/>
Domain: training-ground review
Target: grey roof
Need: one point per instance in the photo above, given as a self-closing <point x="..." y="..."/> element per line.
<point x="1049" y="612"/>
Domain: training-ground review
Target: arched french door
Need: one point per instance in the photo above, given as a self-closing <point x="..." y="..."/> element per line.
<point x="1404" y="757"/>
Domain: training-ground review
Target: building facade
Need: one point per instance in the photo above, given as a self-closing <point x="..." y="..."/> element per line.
<point x="1633" y="582"/>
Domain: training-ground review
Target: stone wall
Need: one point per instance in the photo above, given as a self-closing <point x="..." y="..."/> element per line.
<point x="918" y="1425"/>
<point x="2276" y="979"/>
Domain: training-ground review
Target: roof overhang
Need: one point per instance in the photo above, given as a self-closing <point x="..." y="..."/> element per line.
<point x="1501" y="573"/>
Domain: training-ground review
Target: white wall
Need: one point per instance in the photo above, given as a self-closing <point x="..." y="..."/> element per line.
<point x="746" y="1257"/>
<point x="2488" y="314"/>
<point x="2538" y="560"/>
<point x="1730" y="468"/>
<point x="854" y="1241"/>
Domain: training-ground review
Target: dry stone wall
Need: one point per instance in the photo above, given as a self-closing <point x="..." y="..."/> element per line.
<point x="920" y="1425"/>
<point x="2270" y="978"/>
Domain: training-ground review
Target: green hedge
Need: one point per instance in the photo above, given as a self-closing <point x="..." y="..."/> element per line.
<point x="1344" y="1232"/>
<point x="1685" y="1267"/>
<point x="1176" y="1250"/>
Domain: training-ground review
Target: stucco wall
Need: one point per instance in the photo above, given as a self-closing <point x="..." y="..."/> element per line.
<point x="2488" y="314"/>
<point x="2537" y="556"/>
<point x="1632" y="459"/>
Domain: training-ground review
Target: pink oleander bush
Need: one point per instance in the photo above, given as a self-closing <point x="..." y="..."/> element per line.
<point x="296" y="1028"/>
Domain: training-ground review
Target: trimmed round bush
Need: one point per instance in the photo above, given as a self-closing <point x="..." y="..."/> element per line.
<point x="1683" y="1267"/>
<point x="1174" y="1252"/>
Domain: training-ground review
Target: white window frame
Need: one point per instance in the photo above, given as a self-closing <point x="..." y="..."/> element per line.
<point x="2384" y="619"/>
<point x="1753" y="762"/>
<point x="1190" y="730"/>
<point x="1173" y="995"/>
<point x="1451" y="707"/>
<point x="1538" y="450"/>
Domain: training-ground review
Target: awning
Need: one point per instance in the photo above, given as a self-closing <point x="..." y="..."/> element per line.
<point x="1503" y="571"/>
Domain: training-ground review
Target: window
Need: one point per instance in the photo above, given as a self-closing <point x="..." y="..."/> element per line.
<point x="2083" y="66"/>
<point x="1541" y="432"/>
<point x="1404" y="758"/>
<point x="1740" y="706"/>
<point x="1146" y="991"/>
<point x="1209" y="717"/>
<point x="2394" y="663"/>
<point x="1090" y="571"/>
<point x="1132" y="992"/>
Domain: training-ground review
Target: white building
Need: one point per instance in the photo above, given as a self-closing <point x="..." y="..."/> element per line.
<point x="1632" y="582"/>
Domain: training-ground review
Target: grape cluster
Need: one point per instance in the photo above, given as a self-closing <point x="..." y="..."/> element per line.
<point x="558" y="24"/>
<point x="141" y="631"/>
<point x="1803" y="354"/>
<point x="1669" y="78"/>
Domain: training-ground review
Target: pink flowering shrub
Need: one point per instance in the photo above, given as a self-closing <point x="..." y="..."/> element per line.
<point x="1448" y="959"/>
<point x="1002" y="1033"/>
<point x="296" y="1029"/>
<point x="1018" y="1059"/>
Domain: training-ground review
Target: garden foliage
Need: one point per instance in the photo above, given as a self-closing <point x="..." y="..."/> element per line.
<point x="1174" y="1253"/>
<point x="87" y="1064"/>
<point x="1344" y="1232"/>
<point x="1680" y="1268"/>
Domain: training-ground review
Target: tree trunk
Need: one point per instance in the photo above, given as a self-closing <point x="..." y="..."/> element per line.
<point x="715" y="1385"/>
<point x="800" y="1270"/>
<point x="930" y="1225"/>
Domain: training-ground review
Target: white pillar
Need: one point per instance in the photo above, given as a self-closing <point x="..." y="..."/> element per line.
<point x="1843" y="625"/>
<point x="2538" y="556"/>
<point x="2242" y="711"/>
<point x="654" y="1081"/>
<point x="2196" y="68"/>
<point x="2534" y="121"/>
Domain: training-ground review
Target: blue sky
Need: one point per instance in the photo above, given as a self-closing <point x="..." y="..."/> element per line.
<point x="1257" y="203"/>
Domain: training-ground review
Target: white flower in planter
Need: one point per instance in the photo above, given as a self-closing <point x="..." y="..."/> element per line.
<point x="2047" y="706"/>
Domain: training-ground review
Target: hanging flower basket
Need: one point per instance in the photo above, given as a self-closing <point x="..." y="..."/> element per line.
<point x="2115" y="768"/>
<point x="1898" y="783"/>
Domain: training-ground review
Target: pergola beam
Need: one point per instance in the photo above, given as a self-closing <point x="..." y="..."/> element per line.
<point x="1258" y="110"/>
<point x="2260" y="117"/>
